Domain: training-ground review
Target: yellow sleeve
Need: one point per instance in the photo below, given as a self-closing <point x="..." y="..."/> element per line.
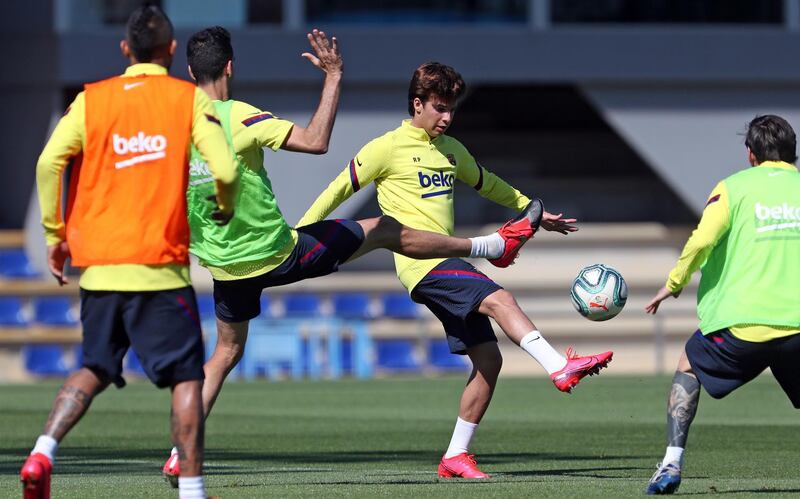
<point x="487" y="183"/>
<point x="368" y="165"/>
<point x="65" y="143"/>
<point x="252" y="127"/>
<point x="209" y="138"/>
<point x="714" y="223"/>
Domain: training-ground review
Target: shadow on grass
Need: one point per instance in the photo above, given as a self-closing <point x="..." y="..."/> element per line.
<point x="763" y="490"/>
<point x="145" y="461"/>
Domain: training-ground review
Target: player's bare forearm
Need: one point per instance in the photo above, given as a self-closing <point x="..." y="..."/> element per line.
<point x="315" y="138"/>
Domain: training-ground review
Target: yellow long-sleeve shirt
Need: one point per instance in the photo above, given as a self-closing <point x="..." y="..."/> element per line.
<point x="713" y="225"/>
<point x="69" y="139"/>
<point x="414" y="177"/>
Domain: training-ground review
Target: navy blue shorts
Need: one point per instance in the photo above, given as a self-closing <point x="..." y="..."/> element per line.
<point x="321" y="248"/>
<point x="162" y="327"/>
<point x="453" y="291"/>
<point x="723" y="362"/>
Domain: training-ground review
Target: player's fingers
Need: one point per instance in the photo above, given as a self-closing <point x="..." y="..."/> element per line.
<point x="311" y="58"/>
<point x="312" y="39"/>
<point x="334" y="45"/>
<point x="323" y="40"/>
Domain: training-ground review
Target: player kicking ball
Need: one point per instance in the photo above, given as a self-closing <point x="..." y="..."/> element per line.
<point x="414" y="167"/>
<point x="257" y="249"/>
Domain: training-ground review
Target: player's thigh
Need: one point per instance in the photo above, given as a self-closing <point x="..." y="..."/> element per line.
<point x="321" y="247"/>
<point x="104" y="341"/>
<point x="453" y="290"/>
<point x="722" y="362"/>
<point x="786" y="367"/>
<point x="164" y="329"/>
<point x="238" y="300"/>
<point x="378" y="233"/>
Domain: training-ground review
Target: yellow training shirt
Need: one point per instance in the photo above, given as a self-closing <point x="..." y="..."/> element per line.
<point x="69" y="139"/>
<point x="713" y="225"/>
<point x="414" y="177"/>
<point x="251" y="131"/>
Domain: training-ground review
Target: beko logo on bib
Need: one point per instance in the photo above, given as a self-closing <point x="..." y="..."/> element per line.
<point x="153" y="147"/>
<point x="777" y="217"/>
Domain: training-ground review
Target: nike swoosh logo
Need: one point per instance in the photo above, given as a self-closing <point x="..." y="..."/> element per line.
<point x="773" y="174"/>
<point x="532" y="340"/>
<point x="129" y="86"/>
<point x="358" y="161"/>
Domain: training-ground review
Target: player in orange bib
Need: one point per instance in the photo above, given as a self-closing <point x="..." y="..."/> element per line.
<point x="126" y="229"/>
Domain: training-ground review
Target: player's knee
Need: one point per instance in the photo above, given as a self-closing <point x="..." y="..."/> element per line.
<point x="386" y="232"/>
<point x="500" y="302"/>
<point x="487" y="360"/>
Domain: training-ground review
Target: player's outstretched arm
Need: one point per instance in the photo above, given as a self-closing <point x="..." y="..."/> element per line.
<point x="661" y="295"/>
<point x="315" y="138"/>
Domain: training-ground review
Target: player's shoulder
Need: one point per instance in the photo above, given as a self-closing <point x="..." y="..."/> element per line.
<point x="452" y="143"/>
<point x="243" y="110"/>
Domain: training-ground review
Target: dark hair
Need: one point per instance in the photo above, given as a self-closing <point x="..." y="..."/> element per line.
<point x="433" y="78"/>
<point x="208" y="52"/>
<point x="771" y="138"/>
<point x="149" y="32"/>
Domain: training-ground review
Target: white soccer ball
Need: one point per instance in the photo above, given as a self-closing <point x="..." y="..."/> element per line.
<point x="599" y="292"/>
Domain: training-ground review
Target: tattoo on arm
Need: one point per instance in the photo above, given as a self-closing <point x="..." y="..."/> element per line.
<point x="70" y="405"/>
<point x="682" y="407"/>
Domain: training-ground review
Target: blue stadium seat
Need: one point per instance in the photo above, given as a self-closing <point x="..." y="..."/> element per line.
<point x="133" y="365"/>
<point x="399" y="306"/>
<point x="355" y="352"/>
<point x="45" y="360"/>
<point x="54" y="311"/>
<point x="266" y="306"/>
<point x="301" y="305"/>
<point x="271" y="346"/>
<point x="396" y="355"/>
<point x="11" y="313"/>
<point x="14" y="264"/>
<point x="439" y="357"/>
<point x="205" y="306"/>
<point x="351" y="306"/>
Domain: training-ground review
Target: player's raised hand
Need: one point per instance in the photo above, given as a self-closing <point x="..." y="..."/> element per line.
<point x="661" y="295"/>
<point x="326" y="54"/>
<point x="557" y="223"/>
<point x="57" y="255"/>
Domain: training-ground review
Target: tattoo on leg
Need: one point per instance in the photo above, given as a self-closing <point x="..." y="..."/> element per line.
<point x="70" y="405"/>
<point x="682" y="407"/>
<point x="175" y="427"/>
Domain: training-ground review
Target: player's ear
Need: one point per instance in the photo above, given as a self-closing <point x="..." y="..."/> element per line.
<point x="124" y="48"/>
<point x="190" y="73"/>
<point x="418" y="105"/>
<point x="751" y="158"/>
<point x="229" y="69"/>
<point x="172" y="47"/>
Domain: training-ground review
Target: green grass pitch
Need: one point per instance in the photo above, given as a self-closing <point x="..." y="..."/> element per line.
<point x="383" y="438"/>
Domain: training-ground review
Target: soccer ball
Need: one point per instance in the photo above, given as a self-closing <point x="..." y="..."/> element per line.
<point x="599" y="292"/>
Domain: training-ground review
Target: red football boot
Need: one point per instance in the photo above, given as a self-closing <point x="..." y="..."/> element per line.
<point x="461" y="465"/>
<point x="35" y="477"/>
<point x="578" y="367"/>
<point x="517" y="231"/>
<point x="172" y="470"/>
